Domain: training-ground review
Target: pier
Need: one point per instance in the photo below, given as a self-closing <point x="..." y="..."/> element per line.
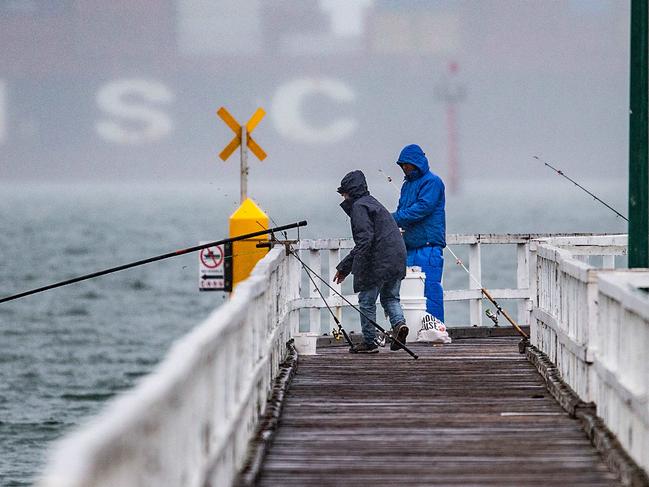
<point x="475" y="412"/>
<point x="250" y="398"/>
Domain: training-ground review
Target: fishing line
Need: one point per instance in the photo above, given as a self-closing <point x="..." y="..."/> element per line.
<point x="341" y="330"/>
<point x="374" y="323"/>
<point x="335" y="318"/>
<point x="561" y="173"/>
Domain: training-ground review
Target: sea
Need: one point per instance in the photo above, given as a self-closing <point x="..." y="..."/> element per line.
<point x="65" y="352"/>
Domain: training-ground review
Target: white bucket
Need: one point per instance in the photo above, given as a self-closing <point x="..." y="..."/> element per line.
<point x="412" y="286"/>
<point x="306" y="343"/>
<point x="414" y="310"/>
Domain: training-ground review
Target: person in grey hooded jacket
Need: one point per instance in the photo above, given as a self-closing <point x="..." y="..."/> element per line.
<point x="377" y="261"/>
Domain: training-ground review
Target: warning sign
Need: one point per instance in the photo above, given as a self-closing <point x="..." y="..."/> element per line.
<point x="215" y="268"/>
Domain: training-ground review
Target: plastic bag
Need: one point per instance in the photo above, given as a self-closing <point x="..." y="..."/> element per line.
<point x="432" y="331"/>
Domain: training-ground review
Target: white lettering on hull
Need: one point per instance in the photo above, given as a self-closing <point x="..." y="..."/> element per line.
<point x="133" y="122"/>
<point x="288" y="116"/>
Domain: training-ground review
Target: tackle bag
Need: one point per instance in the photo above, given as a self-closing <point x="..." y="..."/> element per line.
<point x="432" y="331"/>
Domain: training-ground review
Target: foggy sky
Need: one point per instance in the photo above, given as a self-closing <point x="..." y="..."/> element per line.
<point x="127" y="91"/>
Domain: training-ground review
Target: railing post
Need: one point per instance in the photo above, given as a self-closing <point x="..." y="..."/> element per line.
<point x="334" y="259"/>
<point x="475" y="268"/>
<point x="533" y="299"/>
<point x="295" y="284"/>
<point x="523" y="279"/>
<point x="314" y="313"/>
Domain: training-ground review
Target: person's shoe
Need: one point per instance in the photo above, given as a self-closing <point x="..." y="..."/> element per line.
<point x="400" y="332"/>
<point x="367" y="348"/>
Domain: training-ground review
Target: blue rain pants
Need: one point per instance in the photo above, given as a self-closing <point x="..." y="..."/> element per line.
<point x="431" y="261"/>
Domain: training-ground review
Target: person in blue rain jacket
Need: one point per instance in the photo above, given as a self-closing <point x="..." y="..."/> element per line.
<point x="422" y="217"/>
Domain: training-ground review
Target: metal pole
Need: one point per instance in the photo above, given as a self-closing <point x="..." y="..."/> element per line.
<point x="638" y="139"/>
<point x="244" y="163"/>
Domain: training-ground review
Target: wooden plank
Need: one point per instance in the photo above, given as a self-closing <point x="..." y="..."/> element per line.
<point x="471" y="413"/>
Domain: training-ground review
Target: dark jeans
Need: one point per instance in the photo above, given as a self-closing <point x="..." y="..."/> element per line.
<point x="389" y="296"/>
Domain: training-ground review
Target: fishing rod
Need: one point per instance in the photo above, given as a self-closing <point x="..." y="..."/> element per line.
<point x="341" y="330"/>
<point x="484" y="291"/>
<point x="153" y="259"/>
<point x="311" y="272"/>
<point x="487" y="295"/>
<point x="561" y="173"/>
<point x="374" y="323"/>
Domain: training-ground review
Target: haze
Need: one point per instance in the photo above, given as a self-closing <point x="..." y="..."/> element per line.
<point x="127" y="90"/>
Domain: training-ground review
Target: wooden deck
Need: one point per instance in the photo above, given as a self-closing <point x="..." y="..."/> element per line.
<point x="471" y="413"/>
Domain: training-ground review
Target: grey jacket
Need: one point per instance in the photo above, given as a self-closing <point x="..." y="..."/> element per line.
<point x="379" y="253"/>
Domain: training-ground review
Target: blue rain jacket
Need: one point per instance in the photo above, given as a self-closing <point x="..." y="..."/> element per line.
<point x="421" y="210"/>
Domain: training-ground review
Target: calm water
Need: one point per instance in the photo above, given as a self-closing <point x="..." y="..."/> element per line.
<point x="64" y="352"/>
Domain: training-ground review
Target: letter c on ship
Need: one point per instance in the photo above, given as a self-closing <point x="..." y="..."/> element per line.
<point x="288" y="115"/>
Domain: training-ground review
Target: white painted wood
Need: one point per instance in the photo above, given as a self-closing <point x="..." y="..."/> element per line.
<point x="594" y="325"/>
<point x="608" y="262"/>
<point x="334" y="260"/>
<point x="617" y="242"/>
<point x="532" y="302"/>
<point x="189" y="422"/>
<point x="523" y="280"/>
<point x="599" y="241"/>
<point x="314" y="313"/>
<point x="326" y="244"/>
<point x="475" y="268"/>
<point x="621" y="369"/>
<point x="562" y="314"/>
<point x="474" y="294"/>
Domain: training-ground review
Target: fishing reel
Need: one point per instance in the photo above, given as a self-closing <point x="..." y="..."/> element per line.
<point x="493" y="317"/>
<point x="337" y="334"/>
<point x="380" y="339"/>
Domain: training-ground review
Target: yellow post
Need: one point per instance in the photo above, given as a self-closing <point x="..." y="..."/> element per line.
<point x="248" y="218"/>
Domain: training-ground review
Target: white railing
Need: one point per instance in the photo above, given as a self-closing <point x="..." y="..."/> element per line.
<point x="593" y="323"/>
<point x="190" y="421"/>
<point x="323" y="256"/>
<point x="564" y="310"/>
<point x="621" y="368"/>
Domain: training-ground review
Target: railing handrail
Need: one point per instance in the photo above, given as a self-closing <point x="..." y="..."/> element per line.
<point x="613" y="285"/>
<point x="486" y="238"/>
<point x="581" y="243"/>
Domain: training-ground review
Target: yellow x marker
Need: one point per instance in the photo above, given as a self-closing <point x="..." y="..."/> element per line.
<point x="231" y="122"/>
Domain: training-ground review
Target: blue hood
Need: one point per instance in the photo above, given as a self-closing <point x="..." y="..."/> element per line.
<point x="414" y="155"/>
